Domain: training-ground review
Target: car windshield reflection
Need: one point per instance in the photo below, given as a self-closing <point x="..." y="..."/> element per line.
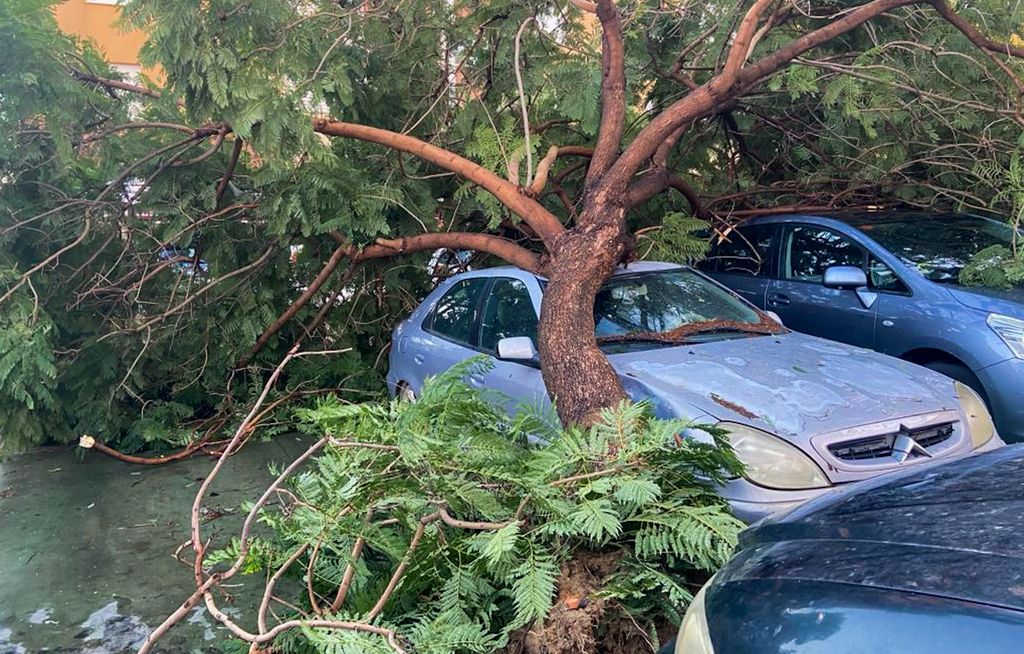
<point x="940" y="249"/>
<point x="672" y="307"/>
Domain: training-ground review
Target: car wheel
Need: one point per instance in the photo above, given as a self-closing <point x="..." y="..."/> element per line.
<point x="405" y="393"/>
<point x="668" y="648"/>
<point x="961" y="374"/>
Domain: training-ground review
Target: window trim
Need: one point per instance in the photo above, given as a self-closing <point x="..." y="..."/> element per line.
<point x="867" y="254"/>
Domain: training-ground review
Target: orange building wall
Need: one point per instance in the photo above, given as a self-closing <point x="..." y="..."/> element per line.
<point x="98" y="22"/>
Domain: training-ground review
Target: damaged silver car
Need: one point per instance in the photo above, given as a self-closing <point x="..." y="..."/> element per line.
<point x="804" y="415"/>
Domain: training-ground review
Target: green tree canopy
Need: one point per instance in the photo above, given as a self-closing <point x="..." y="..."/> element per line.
<point x="163" y="243"/>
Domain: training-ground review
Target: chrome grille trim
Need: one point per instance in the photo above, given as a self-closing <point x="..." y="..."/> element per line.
<point x="846" y="470"/>
<point x="881" y="445"/>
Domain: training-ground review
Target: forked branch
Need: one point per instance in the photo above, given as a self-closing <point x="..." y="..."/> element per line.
<point x="542" y="221"/>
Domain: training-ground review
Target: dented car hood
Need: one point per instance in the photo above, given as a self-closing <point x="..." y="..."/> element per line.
<point x="790" y="384"/>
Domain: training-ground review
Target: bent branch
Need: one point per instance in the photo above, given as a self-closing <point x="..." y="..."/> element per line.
<point x="500" y="247"/>
<point x="543" y="222"/>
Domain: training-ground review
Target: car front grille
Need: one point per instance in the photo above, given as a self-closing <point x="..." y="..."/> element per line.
<point x="880" y="446"/>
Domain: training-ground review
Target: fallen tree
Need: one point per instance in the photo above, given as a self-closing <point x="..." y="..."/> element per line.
<point x="165" y="244"/>
<point x="433" y="527"/>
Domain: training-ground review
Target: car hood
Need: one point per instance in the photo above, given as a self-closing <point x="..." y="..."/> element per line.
<point x="953" y="529"/>
<point x="791" y="384"/>
<point x="1009" y="302"/>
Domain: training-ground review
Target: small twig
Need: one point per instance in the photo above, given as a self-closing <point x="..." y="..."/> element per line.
<point x="349" y="575"/>
<point x="522" y="101"/>
<point x="589" y="475"/>
<point x="400" y="570"/>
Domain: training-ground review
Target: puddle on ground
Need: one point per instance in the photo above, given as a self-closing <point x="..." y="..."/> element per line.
<point x="86" y="548"/>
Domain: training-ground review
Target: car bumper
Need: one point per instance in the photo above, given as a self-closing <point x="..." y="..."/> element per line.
<point x="750" y="502"/>
<point x="1004" y="385"/>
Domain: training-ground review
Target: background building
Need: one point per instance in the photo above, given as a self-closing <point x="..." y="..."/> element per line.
<point x="97" y="20"/>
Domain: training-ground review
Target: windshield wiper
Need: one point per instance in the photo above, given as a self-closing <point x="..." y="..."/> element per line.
<point x="641" y="337"/>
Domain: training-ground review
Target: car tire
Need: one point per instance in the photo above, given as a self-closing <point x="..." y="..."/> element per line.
<point x="961" y="374"/>
<point x="404" y="393"/>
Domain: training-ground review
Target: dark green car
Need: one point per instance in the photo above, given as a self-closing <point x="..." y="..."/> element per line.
<point x="925" y="562"/>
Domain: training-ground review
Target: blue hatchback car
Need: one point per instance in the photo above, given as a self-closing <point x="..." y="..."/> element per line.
<point x="889" y="282"/>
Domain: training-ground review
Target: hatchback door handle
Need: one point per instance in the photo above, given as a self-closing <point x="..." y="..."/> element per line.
<point x="418" y="358"/>
<point x="778" y="299"/>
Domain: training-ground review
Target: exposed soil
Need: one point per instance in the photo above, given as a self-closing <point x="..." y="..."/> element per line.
<point x="580" y="622"/>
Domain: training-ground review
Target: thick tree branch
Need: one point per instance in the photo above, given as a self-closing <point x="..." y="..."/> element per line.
<point x="613" y="92"/>
<point x="336" y="258"/>
<point x="113" y="83"/>
<point x="742" y="43"/>
<point x="988" y="46"/>
<point x="502" y="248"/>
<point x="770" y="64"/>
<point x="229" y="172"/>
<point x="710" y="97"/>
<point x="543" y="222"/>
<point x="657" y="181"/>
<point x="972" y="33"/>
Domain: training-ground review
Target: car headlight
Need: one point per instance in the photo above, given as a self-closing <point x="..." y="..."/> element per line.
<point x="772" y="462"/>
<point x="1010" y="330"/>
<point x="979" y="420"/>
<point x="694" y="637"/>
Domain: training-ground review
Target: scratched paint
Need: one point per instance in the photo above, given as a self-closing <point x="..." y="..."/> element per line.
<point x="793" y="385"/>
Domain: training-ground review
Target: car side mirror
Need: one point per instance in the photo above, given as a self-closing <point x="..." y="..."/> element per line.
<point x="844" y="277"/>
<point x="517" y="348"/>
<point x="850" y="278"/>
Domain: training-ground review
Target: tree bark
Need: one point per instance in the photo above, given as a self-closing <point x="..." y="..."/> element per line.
<point x="578" y="375"/>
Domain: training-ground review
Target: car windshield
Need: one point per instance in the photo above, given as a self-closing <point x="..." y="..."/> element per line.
<point x="939" y="247"/>
<point x="672" y="306"/>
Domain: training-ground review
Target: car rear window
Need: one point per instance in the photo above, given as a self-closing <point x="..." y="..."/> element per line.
<point x="745" y="251"/>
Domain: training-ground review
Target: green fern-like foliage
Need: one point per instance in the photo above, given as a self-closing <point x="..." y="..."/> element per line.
<point x="999" y="266"/>
<point x="994" y="267"/>
<point x="624" y="488"/>
<point x="681" y="238"/>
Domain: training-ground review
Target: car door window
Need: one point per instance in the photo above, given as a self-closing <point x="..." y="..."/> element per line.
<point x="745" y="251"/>
<point x="508" y="312"/>
<point x="810" y="250"/>
<point x="882" y="278"/>
<point x="455" y="316"/>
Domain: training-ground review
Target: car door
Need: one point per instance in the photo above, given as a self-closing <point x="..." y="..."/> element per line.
<point x="510" y="311"/>
<point x="902" y="319"/>
<point x="801" y="300"/>
<point x="742" y="259"/>
<point x="449" y="332"/>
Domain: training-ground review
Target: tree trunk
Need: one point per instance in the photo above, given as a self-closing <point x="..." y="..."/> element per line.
<point x="577" y="373"/>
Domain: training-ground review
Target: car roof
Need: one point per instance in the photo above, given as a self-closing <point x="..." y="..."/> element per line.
<point x="628" y="269"/>
<point x="862" y="217"/>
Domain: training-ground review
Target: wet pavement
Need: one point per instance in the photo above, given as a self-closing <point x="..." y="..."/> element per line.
<point x="86" y="547"/>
